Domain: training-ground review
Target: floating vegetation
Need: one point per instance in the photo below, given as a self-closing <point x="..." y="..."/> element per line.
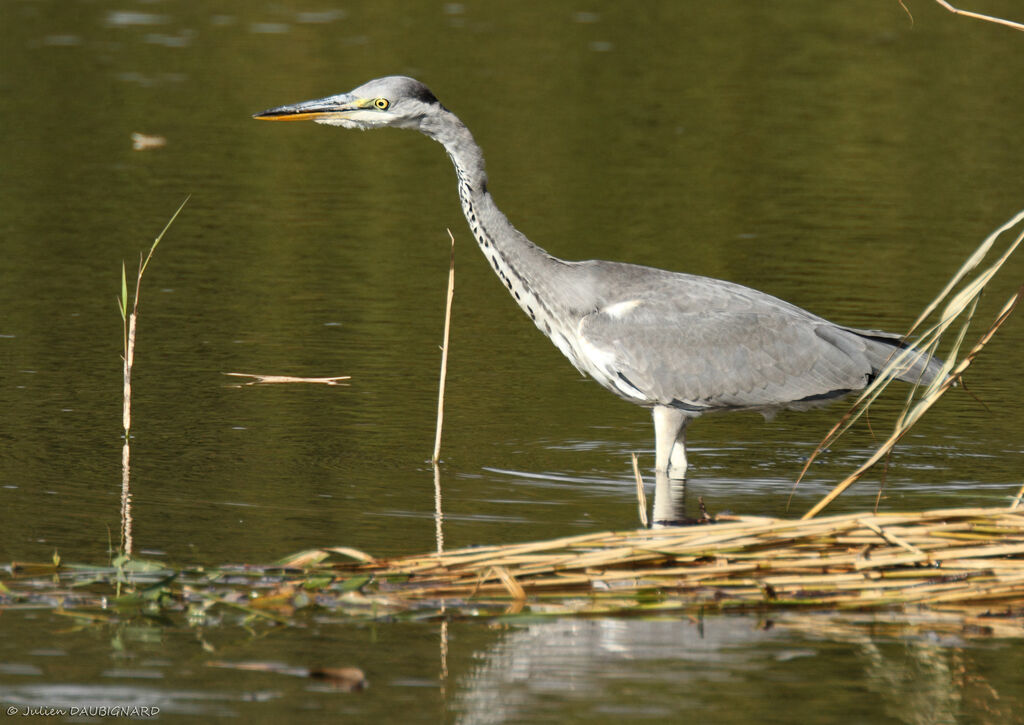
<point x="966" y="563"/>
<point x="344" y="679"/>
<point x="145" y="141"/>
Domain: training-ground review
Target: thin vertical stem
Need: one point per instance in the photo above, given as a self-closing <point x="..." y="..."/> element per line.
<point x="129" y="322"/>
<point x="444" y="351"/>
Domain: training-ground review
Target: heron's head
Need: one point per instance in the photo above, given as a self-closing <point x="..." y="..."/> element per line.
<point x="391" y="101"/>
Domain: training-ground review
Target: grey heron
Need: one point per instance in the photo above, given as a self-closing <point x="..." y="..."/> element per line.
<point x="679" y="344"/>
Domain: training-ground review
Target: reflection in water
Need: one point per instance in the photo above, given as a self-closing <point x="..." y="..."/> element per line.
<point x="439" y="533"/>
<point x="580" y="661"/>
<point x="438" y="512"/>
<point x="658" y="669"/>
<point x="126" y="500"/>
<point x="921" y="679"/>
<point x="669" y="500"/>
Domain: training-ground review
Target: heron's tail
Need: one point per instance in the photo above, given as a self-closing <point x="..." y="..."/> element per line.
<point x="883" y="347"/>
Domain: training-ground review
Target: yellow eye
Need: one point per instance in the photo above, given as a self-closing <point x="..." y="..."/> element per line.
<point x="382" y="104"/>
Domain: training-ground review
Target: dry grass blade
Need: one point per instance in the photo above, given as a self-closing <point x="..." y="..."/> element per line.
<point x="304" y="559"/>
<point x="892" y="538"/>
<point x="510" y="583"/>
<point x="147" y="141"/>
<point x="312" y="557"/>
<point x="919" y="409"/>
<point x="1017" y="499"/>
<point x="959" y="305"/>
<point x="927" y="342"/>
<point x="972" y="262"/>
<point x="258" y="379"/>
<point x="350" y="552"/>
<point x="980" y="16"/>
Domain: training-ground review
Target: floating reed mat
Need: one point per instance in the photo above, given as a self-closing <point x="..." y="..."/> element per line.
<point x="936" y="568"/>
<point x="853" y="561"/>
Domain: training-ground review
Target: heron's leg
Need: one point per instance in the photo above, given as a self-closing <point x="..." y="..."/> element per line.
<point x="677" y="461"/>
<point x="669" y="440"/>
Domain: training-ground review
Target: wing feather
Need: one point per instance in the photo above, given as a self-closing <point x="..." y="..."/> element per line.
<point x="705" y="344"/>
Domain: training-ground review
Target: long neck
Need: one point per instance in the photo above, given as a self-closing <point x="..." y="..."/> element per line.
<point x="534" y="278"/>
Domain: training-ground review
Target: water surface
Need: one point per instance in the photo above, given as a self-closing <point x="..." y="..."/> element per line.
<point x="837" y="156"/>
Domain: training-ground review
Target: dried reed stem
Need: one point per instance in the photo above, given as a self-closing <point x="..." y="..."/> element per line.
<point x="129" y="360"/>
<point x="930" y="398"/>
<point x="952" y="556"/>
<point x="979" y="16"/>
<point x="444" y="351"/>
<point x="957" y="305"/>
<point x="258" y="379"/>
<point x="129" y="321"/>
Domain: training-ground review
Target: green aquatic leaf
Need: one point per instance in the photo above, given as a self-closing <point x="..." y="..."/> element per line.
<point x="123" y="306"/>
<point x="317" y="582"/>
<point x="352" y="584"/>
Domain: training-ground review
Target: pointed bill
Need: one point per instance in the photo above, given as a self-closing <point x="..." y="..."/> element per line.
<point x="322" y="109"/>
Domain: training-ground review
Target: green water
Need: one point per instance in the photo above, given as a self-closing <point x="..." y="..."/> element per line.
<point x="834" y="155"/>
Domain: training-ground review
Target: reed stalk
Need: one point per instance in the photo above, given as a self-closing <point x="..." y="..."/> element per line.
<point x="977" y="16"/>
<point x="129" y="326"/>
<point x="129" y="321"/>
<point x="957" y="306"/>
<point x="949" y="556"/>
<point x="444" y="351"/>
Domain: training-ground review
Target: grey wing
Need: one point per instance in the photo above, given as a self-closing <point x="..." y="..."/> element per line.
<point x="754" y="352"/>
